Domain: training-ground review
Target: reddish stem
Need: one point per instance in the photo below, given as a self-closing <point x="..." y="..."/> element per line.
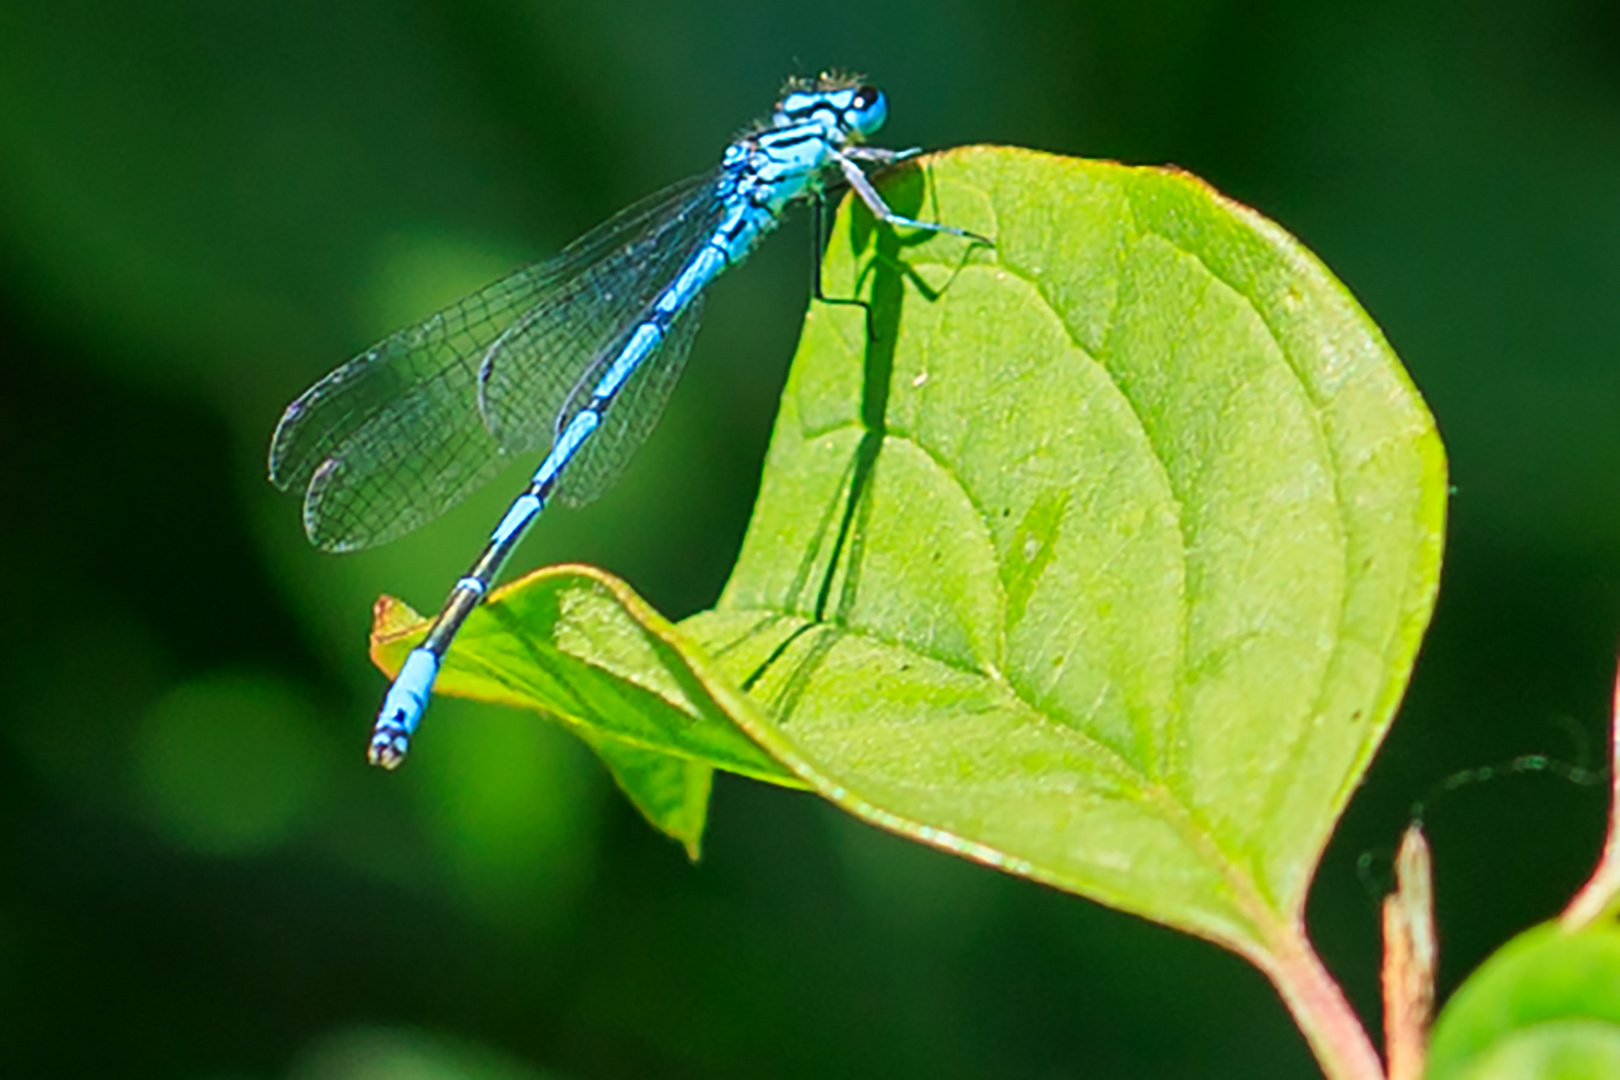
<point x="1320" y="1008"/>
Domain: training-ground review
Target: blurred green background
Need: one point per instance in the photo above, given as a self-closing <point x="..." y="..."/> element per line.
<point x="204" y="206"/>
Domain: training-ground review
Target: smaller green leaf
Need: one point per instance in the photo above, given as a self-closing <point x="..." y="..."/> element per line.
<point x="576" y="644"/>
<point x="1545" y="1007"/>
<point x="671" y="792"/>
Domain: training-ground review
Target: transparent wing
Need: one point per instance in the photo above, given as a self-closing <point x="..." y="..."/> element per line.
<point x="632" y="415"/>
<point x="528" y="391"/>
<point x="395" y="437"/>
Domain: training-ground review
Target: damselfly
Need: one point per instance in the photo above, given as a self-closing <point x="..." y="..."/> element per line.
<point x="578" y="353"/>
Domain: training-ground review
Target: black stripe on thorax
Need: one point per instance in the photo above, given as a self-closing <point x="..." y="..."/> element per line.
<point x="792" y="136"/>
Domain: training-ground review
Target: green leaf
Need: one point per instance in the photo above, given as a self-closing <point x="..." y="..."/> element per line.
<point x="1546" y="1006"/>
<point x="671" y="792"/>
<point x="1100" y="555"/>
<point x="576" y="644"/>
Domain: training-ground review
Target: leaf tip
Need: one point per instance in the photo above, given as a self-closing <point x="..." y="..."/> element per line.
<point x="393" y="621"/>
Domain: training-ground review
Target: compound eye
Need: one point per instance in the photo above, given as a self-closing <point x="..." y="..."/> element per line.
<point x="866" y="111"/>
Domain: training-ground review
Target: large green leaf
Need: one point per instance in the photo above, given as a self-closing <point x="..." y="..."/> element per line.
<point x="1101" y="555"/>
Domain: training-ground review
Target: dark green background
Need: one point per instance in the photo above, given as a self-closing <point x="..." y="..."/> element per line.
<point x="204" y="206"/>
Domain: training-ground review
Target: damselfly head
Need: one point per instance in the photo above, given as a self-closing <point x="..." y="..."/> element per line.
<point x="856" y="109"/>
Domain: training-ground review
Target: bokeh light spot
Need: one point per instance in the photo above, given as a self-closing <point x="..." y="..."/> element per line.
<point x="513" y="808"/>
<point x="396" y="1054"/>
<point x="227" y="763"/>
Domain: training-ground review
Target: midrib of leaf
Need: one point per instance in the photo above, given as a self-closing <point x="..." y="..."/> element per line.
<point x="1163" y="792"/>
<point x="1350" y="542"/>
<point x="1344" y="537"/>
<point x="1279" y="783"/>
<point x="1263" y="907"/>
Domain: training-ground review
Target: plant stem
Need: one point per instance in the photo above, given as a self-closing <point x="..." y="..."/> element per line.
<point x="1320" y="1009"/>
